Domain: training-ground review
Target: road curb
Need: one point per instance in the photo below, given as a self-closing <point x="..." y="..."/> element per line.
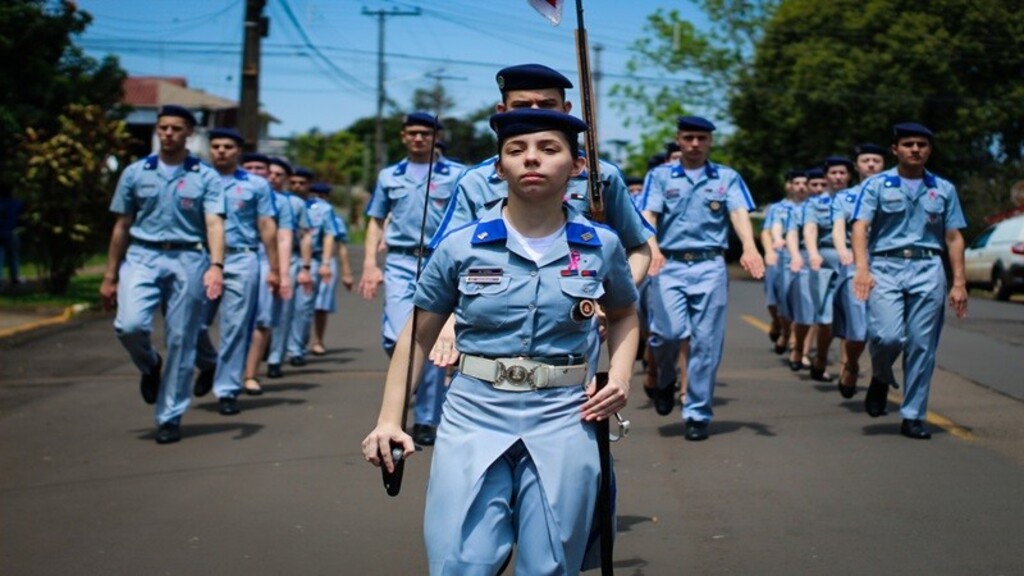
<point x="63" y="318"/>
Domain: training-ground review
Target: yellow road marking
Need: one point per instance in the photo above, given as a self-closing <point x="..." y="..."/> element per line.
<point x="68" y="313"/>
<point x="934" y="419"/>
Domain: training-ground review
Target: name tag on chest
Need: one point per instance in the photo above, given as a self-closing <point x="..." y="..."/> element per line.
<point x="484" y="275"/>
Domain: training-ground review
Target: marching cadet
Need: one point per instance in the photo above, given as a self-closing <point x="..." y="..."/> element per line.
<point x="249" y="221"/>
<point x="775" y="219"/>
<point x="300" y="266"/>
<point x="322" y="232"/>
<point x="399" y="197"/>
<point x="333" y="226"/>
<point x="796" y="193"/>
<point x="850" y="323"/>
<point x="256" y="164"/>
<point x="516" y="462"/>
<point x="166" y="251"/>
<point x="800" y="297"/>
<point x="692" y="204"/>
<point x="903" y="218"/>
<point x="823" y="260"/>
<point x="269" y="304"/>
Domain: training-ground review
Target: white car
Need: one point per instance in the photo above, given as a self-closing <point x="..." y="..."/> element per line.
<point x="995" y="259"/>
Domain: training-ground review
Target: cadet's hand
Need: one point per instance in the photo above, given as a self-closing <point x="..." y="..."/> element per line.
<point x="372" y="278"/>
<point x="958" y="300"/>
<point x="771" y="258"/>
<point x="602" y="324"/>
<point x="377" y="445"/>
<point x="607" y="402"/>
<point x="274" y="282"/>
<point x="108" y="293"/>
<point x="863" y="282"/>
<point x="285" y="289"/>
<point x="815" y="261"/>
<point x="213" y="280"/>
<point x="444" y="353"/>
<point x="752" y="263"/>
<point x="778" y="244"/>
<point x="347" y="280"/>
<point x="845" y="257"/>
<point x="657" y="262"/>
<point x="305" y="280"/>
<point x="796" y="263"/>
<point x="325" y="273"/>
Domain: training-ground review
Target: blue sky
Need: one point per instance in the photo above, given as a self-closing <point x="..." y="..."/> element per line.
<point x="320" y="64"/>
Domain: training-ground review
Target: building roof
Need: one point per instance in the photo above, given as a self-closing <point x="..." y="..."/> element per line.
<point x="155" y="91"/>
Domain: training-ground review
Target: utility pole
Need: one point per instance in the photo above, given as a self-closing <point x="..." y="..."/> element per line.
<point x="257" y="26"/>
<point x="382" y="16"/>
<point x="438" y="95"/>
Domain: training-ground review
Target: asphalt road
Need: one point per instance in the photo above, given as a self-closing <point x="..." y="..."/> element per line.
<point x="794" y="480"/>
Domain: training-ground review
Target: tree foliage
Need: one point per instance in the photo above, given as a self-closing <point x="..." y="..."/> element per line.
<point x="42" y="72"/>
<point x="829" y="74"/>
<point x="66" y="188"/>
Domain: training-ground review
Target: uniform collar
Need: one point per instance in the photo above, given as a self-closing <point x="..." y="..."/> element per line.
<point x="710" y="170"/>
<point x="578" y="230"/>
<point x="241" y="174"/>
<point x="191" y="163"/>
<point x="441" y="167"/>
<point x="893" y="180"/>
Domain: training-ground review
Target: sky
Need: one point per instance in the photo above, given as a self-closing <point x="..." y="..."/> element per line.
<point x="319" y="67"/>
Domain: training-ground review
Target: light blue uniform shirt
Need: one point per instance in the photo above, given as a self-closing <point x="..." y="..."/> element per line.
<point x="480" y="187"/>
<point x="168" y="210"/>
<point x="282" y="211"/>
<point x="247" y="198"/>
<point x="904" y="218"/>
<point x="506" y="304"/>
<point x="296" y="208"/>
<point x="321" y="220"/>
<point x="842" y="209"/>
<point x="819" y="211"/>
<point x="400" y="195"/>
<point x="695" y="215"/>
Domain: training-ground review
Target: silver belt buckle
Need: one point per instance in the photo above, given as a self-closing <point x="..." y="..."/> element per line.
<point x="688" y="256"/>
<point x="908" y="253"/>
<point x="516" y="375"/>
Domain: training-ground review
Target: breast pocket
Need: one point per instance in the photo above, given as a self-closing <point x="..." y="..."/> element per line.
<point x="484" y="305"/>
<point x="892" y="202"/>
<point x="396" y="192"/>
<point x="714" y="205"/>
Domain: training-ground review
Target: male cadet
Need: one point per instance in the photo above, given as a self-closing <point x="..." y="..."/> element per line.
<point x="850" y="322"/>
<point x="300" y="267"/>
<point x="692" y="204"/>
<point x="320" y="220"/>
<point x="823" y="259"/>
<point x="324" y="303"/>
<point x="166" y="251"/>
<point x="901" y="220"/>
<point x="256" y="164"/>
<point x="800" y="298"/>
<point x="399" y="196"/>
<point x="249" y="221"/>
<point x="269" y="304"/>
<point x="537" y="86"/>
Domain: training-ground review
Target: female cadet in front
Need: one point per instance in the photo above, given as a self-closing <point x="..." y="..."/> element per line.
<point x="516" y="458"/>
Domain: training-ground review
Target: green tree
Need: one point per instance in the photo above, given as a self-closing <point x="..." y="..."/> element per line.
<point x="42" y="72"/>
<point x="66" y="187"/>
<point x="829" y="74"/>
<point x="336" y="158"/>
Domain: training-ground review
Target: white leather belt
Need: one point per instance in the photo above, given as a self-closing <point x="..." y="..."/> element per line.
<point x="521" y="374"/>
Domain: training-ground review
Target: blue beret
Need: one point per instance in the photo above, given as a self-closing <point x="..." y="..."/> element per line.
<point x="230" y="133"/>
<point x="284" y="165"/>
<point x="793" y="174"/>
<point x="656" y="160"/>
<point x="303" y="172"/>
<point x="838" y="161"/>
<point x="179" y="111"/>
<point x="868" y="148"/>
<point x="530" y="120"/>
<point x="671" y="147"/>
<point x="814" y="173"/>
<point x="530" y="77"/>
<point x="422" y="119"/>
<point x="910" y="129"/>
<point x="633" y="180"/>
<point x="255" y="157"/>
<point x="695" y="124"/>
<point x="319" y="187"/>
<point x="441" y="146"/>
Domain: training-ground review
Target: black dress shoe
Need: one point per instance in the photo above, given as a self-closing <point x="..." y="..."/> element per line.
<point x="204" y="382"/>
<point x="820" y="375"/>
<point x="874" y="401"/>
<point x="149" y="384"/>
<point x="168" y="433"/>
<point x="779" y="349"/>
<point x="664" y="400"/>
<point x="228" y="406"/>
<point x="696" y="431"/>
<point x="424" y="434"/>
<point x="795" y="366"/>
<point x="274" y="371"/>
<point x="915" y="429"/>
<point x="297" y="361"/>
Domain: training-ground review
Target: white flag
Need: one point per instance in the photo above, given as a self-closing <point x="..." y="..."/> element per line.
<point x="550" y="9"/>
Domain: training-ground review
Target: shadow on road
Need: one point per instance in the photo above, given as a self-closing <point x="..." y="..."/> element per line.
<point x="718" y="427"/>
<point x="244" y="430"/>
